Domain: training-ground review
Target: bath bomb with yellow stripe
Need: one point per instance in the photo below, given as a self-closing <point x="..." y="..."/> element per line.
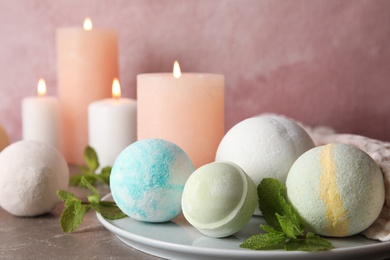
<point x="337" y="189"/>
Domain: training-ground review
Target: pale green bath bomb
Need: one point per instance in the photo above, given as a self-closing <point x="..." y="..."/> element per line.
<point x="219" y="199"/>
<point x="337" y="189"/>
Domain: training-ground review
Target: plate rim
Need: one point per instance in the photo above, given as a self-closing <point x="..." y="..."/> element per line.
<point x="211" y="252"/>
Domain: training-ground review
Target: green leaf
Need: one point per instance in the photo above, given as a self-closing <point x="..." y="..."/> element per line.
<point x="269" y="192"/>
<point x="104" y="176"/>
<point x="91" y="159"/>
<point x="85" y="169"/>
<point x="109" y="210"/>
<point x="310" y="243"/>
<point x="72" y="216"/>
<point x="286" y="229"/>
<point x="67" y="197"/>
<point x="289" y="227"/>
<point x="272" y="203"/>
<point x="272" y="240"/>
<point x="95" y="197"/>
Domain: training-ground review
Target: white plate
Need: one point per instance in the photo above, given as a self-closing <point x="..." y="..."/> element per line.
<point x="177" y="239"/>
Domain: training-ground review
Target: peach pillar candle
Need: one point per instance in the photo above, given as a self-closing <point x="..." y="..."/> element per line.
<point x="112" y="125"/>
<point x="87" y="61"/>
<point x="187" y="110"/>
<point x="40" y="117"/>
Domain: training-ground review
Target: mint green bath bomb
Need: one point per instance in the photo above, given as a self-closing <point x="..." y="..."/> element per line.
<point x="147" y="180"/>
<point x="219" y="199"/>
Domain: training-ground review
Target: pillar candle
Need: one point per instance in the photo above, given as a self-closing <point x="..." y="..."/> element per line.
<point x="87" y="61"/>
<point x="112" y="125"/>
<point x="187" y="109"/>
<point x="40" y="117"/>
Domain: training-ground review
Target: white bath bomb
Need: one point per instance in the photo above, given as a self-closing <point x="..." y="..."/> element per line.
<point x="30" y="174"/>
<point x="337" y="189"/>
<point x="264" y="147"/>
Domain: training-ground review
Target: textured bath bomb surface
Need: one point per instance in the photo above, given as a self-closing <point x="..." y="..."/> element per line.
<point x="264" y="146"/>
<point x="219" y="199"/>
<point x="30" y="175"/>
<point x="147" y="180"/>
<point x="337" y="189"/>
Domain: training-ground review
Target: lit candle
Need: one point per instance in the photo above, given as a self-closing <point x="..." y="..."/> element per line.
<point x="184" y="108"/>
<point x="87" y="61"/>
<point x="40" y="117"/>
<point x="112" y="125"/>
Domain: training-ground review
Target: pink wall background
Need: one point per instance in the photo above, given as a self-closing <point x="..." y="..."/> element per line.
<point x="323" y="62"/>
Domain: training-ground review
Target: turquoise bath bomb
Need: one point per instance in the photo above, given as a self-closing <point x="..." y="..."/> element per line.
<point x="147" y="180"/>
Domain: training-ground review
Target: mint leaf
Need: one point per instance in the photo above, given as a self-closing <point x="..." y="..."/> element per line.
<point x="95" y="197"/>
<point x="89" y="171"/>
<point x="67" y="197"/>
<point x="286" y="229"/>
<point x="310" y="243"/>
<point x="72" y="216"/>
<point x="109" y="210"/>
<point x="104" y="176"/>
<point x="272" y="240"/>
<point x="75" y="209"/>
<point x="91" y="158"/>
<point x="289" y="227"/>
<point x="270" y="192"/>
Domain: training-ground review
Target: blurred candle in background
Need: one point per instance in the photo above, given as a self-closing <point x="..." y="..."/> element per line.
<point x="87" y="61"/>
<point x="112" y="125"/>
<point x="4" y="139"/>
<point x="40" y="117"/>
<point x="184" y="108"/>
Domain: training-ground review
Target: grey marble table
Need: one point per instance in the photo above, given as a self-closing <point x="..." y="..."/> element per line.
<point x="42" y="238"/>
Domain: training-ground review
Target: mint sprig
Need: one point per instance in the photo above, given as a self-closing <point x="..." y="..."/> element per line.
<point x="75" y="209"/>
<point x="285" y="228"/>
<point x="88" y="171"/>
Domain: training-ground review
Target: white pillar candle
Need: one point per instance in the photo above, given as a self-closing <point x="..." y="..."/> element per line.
<point x="40" y="117"/>
<point x="112" y="125"/>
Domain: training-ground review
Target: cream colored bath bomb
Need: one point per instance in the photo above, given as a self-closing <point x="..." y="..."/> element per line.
<point x="337" y="189"/>
<point x="219" y="199"/>
<point x="264" y="146"/>
<point x="30" y="174"/>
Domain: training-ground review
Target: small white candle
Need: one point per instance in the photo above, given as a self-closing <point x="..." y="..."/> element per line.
<point x="112" y="125"/>
<point x="40" y="117"/>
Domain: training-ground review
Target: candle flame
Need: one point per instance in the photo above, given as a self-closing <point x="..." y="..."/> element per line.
<point x="176" y="70"/>
<point x="87" y="24"/>
<point x="116" y="89"/>
<point x="41" y="87"/>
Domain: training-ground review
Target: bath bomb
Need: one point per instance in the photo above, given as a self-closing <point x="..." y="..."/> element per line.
<point x="264" y="147"/>
<point x="147" y="180"/>
<point x="219" y="199"/>
<point x="31" y="172"/>
<point x="337" y="189"/>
